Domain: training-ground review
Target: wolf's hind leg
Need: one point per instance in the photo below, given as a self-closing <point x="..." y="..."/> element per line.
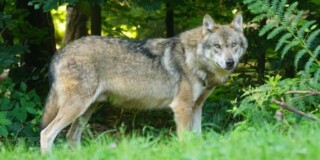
<point x="51" y="109"/>
<point x="68" y="112"/>
<point x="77" y="127"/>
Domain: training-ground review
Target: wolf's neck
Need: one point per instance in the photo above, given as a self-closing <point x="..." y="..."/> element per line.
<point x="192" y="37"/>
<point x="210" y="79"/>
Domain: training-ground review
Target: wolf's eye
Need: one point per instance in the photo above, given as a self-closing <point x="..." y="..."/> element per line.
<point x="207" y="46"/>
<point x="234" y="44"/>
<point x="217" y="46"/>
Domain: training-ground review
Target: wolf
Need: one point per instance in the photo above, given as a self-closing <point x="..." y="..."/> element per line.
<point x="178" y="72"/>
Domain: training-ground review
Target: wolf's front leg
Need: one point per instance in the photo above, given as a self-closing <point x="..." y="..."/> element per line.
<point x="197" y="110"/>
<point x="182" y="107"/>
<point x="182" y="116"/>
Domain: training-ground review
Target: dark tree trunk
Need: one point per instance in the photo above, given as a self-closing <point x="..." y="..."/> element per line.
<point x="76" y="24"/>
<point x="95" y="20"/>
<point x="6" y="34"/>
<point x="169" y="20"/>
<point x="290" y="72"/>
<point x="261" y="59"/>
<point x="2" y="5"/>
<point x="40" y="51"/>
<point x="261" y="66"/>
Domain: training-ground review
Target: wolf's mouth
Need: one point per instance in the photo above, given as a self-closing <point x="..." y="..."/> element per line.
<point x="229" y="68"/>
<point x="218" y="65"/>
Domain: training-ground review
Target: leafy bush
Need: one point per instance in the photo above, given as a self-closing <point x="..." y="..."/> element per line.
<point x="20" y="110"/>
<point x="295" y="32"/>
<point x="19" y="107"/>
<point x="298" y="35"/>
<point x="257" y="108"/>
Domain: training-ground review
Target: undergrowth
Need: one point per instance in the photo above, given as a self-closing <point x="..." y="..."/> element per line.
<point x="295" y="35"/>
<point x="267" y="142"/>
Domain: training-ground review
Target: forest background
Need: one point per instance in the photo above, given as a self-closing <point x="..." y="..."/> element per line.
<point x="277" y="82"/>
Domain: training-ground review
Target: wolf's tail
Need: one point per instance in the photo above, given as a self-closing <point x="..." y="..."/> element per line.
<point x="51" y="109"/>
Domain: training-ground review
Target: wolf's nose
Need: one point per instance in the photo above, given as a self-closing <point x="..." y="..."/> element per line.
<point x="230" y="63"/>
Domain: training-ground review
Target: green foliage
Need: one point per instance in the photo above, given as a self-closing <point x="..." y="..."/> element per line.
<point x="256" y="106"/>
<point x="54" y="4"/>
<point x="9" y="55"/>
<point x="149" y="5"/>
<point x="135" y="20"/>
<point x="287" y="22"/>
<point x="20" y="110"/>
<point x="297" y="36"/>
<point x="20" y="107"/>
<point x="216" y="115"/>
<point x="215" y="111"/>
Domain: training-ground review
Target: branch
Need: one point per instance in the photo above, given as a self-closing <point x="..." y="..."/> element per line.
<point x="292" y="109"/>
<point x="311" y="92"/>
<point x="4" y="74"/>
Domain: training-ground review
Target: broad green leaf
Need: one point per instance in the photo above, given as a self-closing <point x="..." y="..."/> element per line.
<point x="23" y="86"/>
<point x="3" y="131"/>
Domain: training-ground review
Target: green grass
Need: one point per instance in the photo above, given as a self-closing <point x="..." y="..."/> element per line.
<point x="267" y="142"/>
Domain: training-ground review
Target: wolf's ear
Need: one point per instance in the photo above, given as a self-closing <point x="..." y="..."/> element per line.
<point x="237" y="22"/>
<point x="208" y="24"/>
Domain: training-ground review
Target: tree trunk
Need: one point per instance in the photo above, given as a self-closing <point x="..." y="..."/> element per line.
<point x="169" y="20"/>
<point x="37" y="33"/>
<point x="5" y="33"/>
<point x="95" y="20"/>
<point x="76" y="24"/>
<point x="261" y="66"/>
<point x="261" y="59"/>
<point x="40" y="51"/>
<point x="290" y="71"/>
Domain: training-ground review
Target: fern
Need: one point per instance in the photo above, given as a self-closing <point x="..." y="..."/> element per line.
<point x="280" y="9"/>
<point x="307" y="66"/>
<point x="275" y="32"/>
<point x="311" y="60"/>
<point x="258" y="18"/>
<point x="303" y="29"/>
<point x="316" y="51"/>
<point x="300" y="54"/>
<point x="288" y="23"/>
<point x="290" y="45"/>
<point x="267" y="28"/>
<point x="283" y="40"/>
<point x="317" y="74"/>
<point x="312" y="36"/>
<point x="257" y="100"/>
<point x="274" y="5"/>
<point x="296" y="19"/>
<point x="296" y="34"/>
<point x="291" y="8"/>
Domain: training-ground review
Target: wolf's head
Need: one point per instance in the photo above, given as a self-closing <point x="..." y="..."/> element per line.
<point x="222" y="46"/>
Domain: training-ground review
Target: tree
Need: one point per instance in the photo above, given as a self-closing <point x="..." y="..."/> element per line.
<point x="95" y="19"/>
<point x="169" y="20"/>
<point x="40" y="51"/>
<point x="76" y="23"/>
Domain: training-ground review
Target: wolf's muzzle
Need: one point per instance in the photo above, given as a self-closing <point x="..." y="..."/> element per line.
<point x="230" y="63"/>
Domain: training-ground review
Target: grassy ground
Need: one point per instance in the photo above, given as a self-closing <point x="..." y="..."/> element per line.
<point x="300" y="142"/>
